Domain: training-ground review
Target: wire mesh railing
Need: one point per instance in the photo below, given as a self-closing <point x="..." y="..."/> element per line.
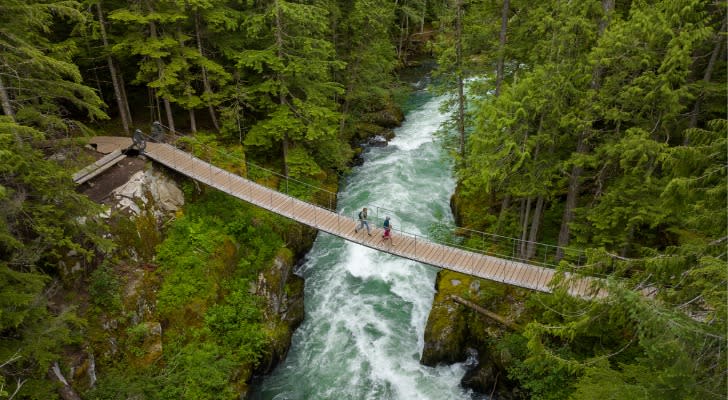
<point x="499" y="246"/>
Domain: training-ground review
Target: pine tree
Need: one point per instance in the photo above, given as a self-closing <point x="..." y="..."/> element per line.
<point x="36" y="74"/>
<point x="42" y="218"/>
<point x="290" y="73"/>
<point x="147" y="36"/>
<point x="362" y="42"/>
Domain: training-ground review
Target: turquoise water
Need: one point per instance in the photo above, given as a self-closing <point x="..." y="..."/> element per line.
<point x="366" y="311"/>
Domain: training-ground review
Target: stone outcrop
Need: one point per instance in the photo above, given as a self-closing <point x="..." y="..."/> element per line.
<point x="283" y="291"/>
<point x="456" y="333"/>
<point x="445" y="330"/>
<point x="145" y="186"/>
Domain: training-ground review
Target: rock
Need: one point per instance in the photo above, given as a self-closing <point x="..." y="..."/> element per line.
<point x="390" y="117"/>
<point x="145" y="343"/>
<point x="456" y="333"/>
<point x="486" y="377"/>
<point x="444" y="335"/>
<point x="474" y="287"/>
<point x="146" y="185"/>
<point x="378" y="141"/>
<point x="283" y="292"/>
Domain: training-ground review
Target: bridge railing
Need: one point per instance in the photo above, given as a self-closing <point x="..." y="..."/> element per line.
<point x="299" y="189"/>
<point x="491" y="244"/>
<point x="534" y="253"/>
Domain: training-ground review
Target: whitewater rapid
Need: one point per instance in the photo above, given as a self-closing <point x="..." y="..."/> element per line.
<point x="365" y="311"/>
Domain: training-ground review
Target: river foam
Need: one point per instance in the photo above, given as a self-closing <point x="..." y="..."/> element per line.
<point x="366" y="311"/>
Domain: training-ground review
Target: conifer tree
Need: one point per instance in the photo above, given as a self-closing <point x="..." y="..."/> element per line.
<point x="42" y="218"/>
<point x="290" y="73"/>
<point x="36" y="74"/>
<point x="362" y="41"/>
<point x="147" y="37"/>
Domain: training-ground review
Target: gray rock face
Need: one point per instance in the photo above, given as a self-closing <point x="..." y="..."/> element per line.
<point x="283" y="292"/>
<point x="444" y="336"/>
<point x="145" y="186"/>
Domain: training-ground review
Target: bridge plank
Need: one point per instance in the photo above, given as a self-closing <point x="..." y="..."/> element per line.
<point x="409" y="246"/>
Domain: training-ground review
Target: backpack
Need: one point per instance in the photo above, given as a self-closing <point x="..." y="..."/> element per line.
<point x="360" y="215"/>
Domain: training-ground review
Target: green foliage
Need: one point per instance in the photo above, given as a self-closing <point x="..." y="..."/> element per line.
<point x="202" y="371"/>
<point x="42" y="218"/>
<point x="194" y="371"/>
<point x="214" y="327"/>
<point x="187" y="257"/>
<point x="651" y="156"/>
<point x="135" y="336"/>
<point x="290" y="68"/>
<point x="104" y="289"/>
<point x="37" y="71"/>
<point x="237" y="324"/>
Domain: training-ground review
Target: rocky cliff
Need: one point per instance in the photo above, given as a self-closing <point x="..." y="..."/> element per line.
<point x="470" y="333"/>
<point x="121" y="298"/>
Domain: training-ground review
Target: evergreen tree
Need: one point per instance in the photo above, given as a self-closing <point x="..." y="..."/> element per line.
<point x="161" y="66"/>
<point x="290" y="73"/>
<point x="362" y="42"/>
<point x="39" y="83"/>
<point x="42" y="218"/>
<point x="650" y="198"/>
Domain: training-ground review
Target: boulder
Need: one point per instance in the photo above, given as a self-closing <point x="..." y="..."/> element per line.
<point x="444" y="335"/>
<point x="145" y="186"/>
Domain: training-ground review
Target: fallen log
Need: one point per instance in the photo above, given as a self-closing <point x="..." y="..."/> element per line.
<point x="489" y="314"/>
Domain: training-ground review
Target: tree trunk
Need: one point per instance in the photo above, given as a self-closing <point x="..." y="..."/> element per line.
<point x="535" y="224"/>
<point x="205" y="80"/>
<point x="125" y="99"/>
<point x="505" y="205"/>
<point x="125" y="118"/>
<point x="459" y="66"/>
<point x="501" y="47"/>
<point x="524" y="227"/>
<point x="5" y="100"/>
<point x="487" y="313"/>
<point x="571" y="198"/>
<point x="160" y="71"/>
<point x="625" y="246"/>
<point x="403" y="32"/>
<point x="281" y="95"/>
<point x="354" y="71"/>
<point x="572" y="194"/>
<point x="424" y="15"/>
<point x="193" y="121"/>
<point x="719" y="38"/>
<point x="168" y="110"/>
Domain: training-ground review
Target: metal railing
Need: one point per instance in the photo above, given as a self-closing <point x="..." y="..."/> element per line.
<point x="503" y="247"/>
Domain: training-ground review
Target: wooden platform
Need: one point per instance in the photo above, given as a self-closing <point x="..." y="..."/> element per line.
<point x="413" y="247"/>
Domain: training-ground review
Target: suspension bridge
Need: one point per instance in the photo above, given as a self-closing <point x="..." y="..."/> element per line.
<point x="496" y="266"/>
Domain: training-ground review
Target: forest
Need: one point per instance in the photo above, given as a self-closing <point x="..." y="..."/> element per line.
<point x="600" y="125"/>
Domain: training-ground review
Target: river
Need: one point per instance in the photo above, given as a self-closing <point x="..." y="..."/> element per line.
<point x="366" y="311"/>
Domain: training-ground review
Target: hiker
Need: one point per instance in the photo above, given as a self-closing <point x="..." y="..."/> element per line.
<point x="387" y="225"/>
<point x="363" y="221"/>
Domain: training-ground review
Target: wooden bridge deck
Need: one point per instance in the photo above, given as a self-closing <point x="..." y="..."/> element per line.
<point x="412" y="247"/>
